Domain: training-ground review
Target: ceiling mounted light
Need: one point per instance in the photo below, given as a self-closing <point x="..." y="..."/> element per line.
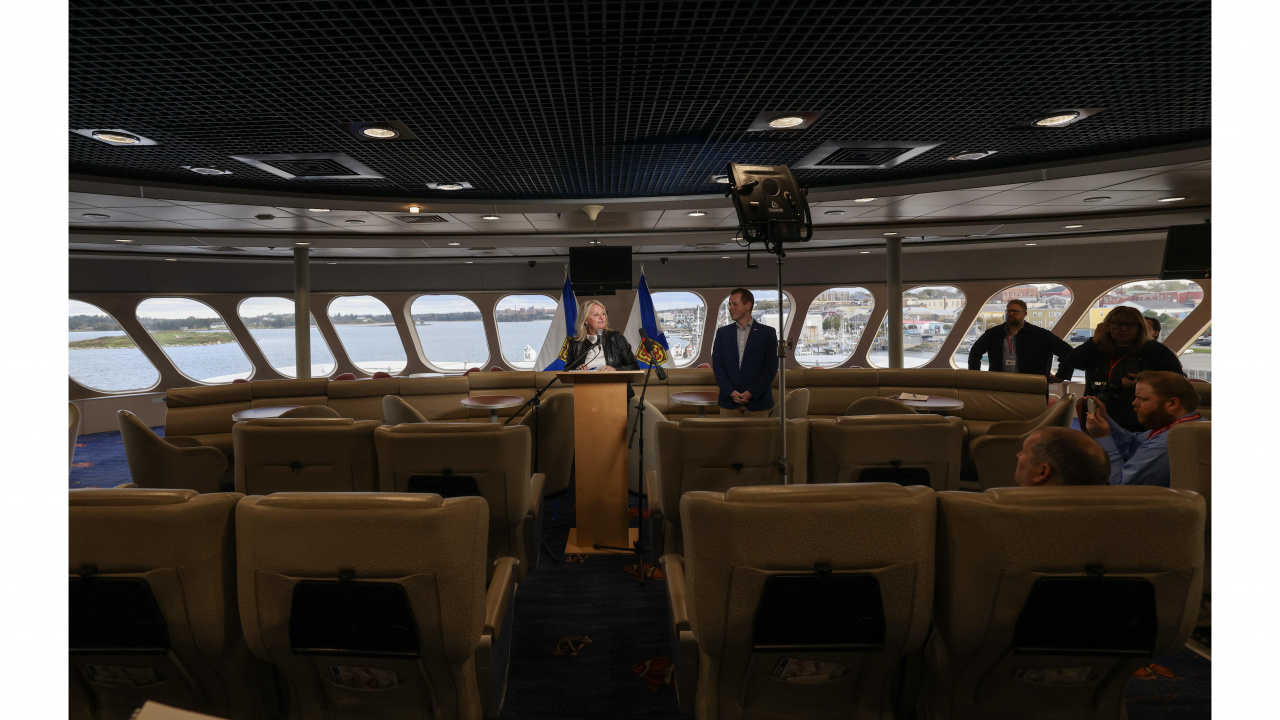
<point x="972" y="155"/>
<point x="455" y="244"/>
<point x="783" y="120"/>
<point x="1059" y="118"/>
<point x="722" y="178"/>
<point x="833" y="212"/>
<point x="302" y="244"/>
<point x="864" y="252"/>
<point x="890" y="234"/>
<point x="380" y="132"/>
<point x="456" y="185"/>
<point x="491" y="216"/>
<point x="863" y="199"/>
<point x="1072" y="227"/>
<point x="1028" y="244"/>
<point x="331" y="263"/>
<point x="468" y="262"/>
<point x="415" y="209"/>
<point x="696" y="213"/>
<point x="724" y="257"/>
<point x="115" y="138"/>
<point x="96" y="216"/>
<point x="353" y="221"/>
<point x="171" y="259"/>
<point x="1170" y="199"/>
<point x="123" y="240"/>
<point x="265" y="216"/>
<point x="786" y="121"/>
<point x="317" y="209"/>
<point x="1097" y="199"/>
<point x="206" y="170"/>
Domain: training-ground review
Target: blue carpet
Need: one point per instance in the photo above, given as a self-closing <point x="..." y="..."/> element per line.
<point x="590" y="642"/>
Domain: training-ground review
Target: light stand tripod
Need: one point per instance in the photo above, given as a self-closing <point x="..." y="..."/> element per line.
<point x="772" y="209"/>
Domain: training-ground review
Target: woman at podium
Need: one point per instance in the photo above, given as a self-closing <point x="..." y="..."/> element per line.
<point x="599" y="347"/>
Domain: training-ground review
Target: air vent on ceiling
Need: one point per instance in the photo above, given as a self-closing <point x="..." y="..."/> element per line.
<point x="421" y="218"/>
<point x="311" y="166"/>
<point x="862" y="155"/>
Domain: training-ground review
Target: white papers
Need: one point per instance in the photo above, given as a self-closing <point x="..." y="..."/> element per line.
<point x="807" y="671"/>
<point x="911" y="396"/>
<point x="156" y="711"/>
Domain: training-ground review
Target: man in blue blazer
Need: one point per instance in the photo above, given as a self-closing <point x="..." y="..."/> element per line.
<point x="744" y="359"/>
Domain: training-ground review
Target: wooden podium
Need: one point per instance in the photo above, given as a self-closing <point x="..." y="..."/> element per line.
<point x="600" y="446"/>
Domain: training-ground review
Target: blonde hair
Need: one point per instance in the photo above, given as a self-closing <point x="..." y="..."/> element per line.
<point x="582" y="318"/>
<point x="1144" y="331"/>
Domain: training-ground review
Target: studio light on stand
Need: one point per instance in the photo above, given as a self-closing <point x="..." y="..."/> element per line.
<point x="772" y="210"/>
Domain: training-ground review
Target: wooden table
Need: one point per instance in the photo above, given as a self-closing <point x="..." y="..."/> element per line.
<point x="492" y="403"/>
<point x="259" y="413"/>
<point x="702" y="398"/>
<point x="935" y="404"/>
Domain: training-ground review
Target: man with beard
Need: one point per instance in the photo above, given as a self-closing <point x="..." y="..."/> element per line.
<point x="1162" y="399"/>
<point x="1017" y="346"/>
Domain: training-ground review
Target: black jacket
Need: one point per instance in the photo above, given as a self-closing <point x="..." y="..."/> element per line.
<point x="1036" y="348"/>
<point x="617" y="352"/>
<point x="1104" y="374"/>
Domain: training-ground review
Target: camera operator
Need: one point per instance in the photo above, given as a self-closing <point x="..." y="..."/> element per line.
<point x="1121" y="347"/>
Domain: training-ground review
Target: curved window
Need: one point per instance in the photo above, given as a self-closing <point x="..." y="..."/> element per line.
<point x="833" y="325"/>
<point x="928" y="315"/>
<point x="271" y="323"/>
<point x="195" y="338"/>
<point x="1046" y="302"/>
<point x="523" y="322"/>
<point x="450" y="331"/>
<point x="682" y="317"/>
<point x="101" y="356"/>
<point x="1169" y="302"/>
<point x="368" y="333"/>
<point x="765" y="309"/>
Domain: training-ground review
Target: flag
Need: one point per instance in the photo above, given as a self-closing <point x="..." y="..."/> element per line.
<point x="552" y="355"/>
<point x="644" y="316"/>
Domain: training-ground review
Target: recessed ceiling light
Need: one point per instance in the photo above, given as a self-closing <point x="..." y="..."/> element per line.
<point x="1058" y="119"/>
<point x="724" y="257"/>
<point x="302" y="244"/>
<point x="864" y="252"/>
<point x="863" y="199"/>
<point x="450" y="186"/>
<point x="379" y="132"/>
<point x="1098" y="198"/>
<point x="890" y="234"/>
<point x="171" y="259"/>
<point x="833" y="212"/>
<point x="786" y="121"/>
<point x="468" y="262"/>
<point x="696" y="213"/>
<point x="1028" y="243"/>
<point x="594" y="242"/>
<point x="265" y="216"/>
<point x="490" y="216"/>
<point x="331" y="263"/>
<point x="123" y="240"/>
<point x="1072" y="227"/>
<point x="972" y="155"/>
<point x="721" y="178"/>
<point x="96" y="216"/>
<point x="317" y="209"/>
<point x="116" y="138"/>
<point x="353" y="221"/>
<point x="1171" y="199"/>
<point x="455" y="244"/>
<point x="207" y="170"/>
<point x="415" y="209"/>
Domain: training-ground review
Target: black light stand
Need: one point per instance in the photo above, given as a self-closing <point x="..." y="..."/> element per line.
<point x="772" y="209"/>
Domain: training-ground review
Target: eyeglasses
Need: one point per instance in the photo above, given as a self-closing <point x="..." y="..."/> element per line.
<point x="1124" y="325"/>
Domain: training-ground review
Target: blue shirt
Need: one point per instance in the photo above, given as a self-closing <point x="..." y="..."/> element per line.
<point x="1137" y="458"/>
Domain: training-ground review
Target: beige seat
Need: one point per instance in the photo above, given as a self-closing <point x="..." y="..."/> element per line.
<point x="715" y="454"/>
<point x="1051" y="597"/>
<point x="1191" y="468"/>
<point x="555" y="440"/>
<point x="304" y="411"/>
<point x="471" y="458"/>
<point x="841" y="574"/>
<point x="373" y="605"/>
<point x="396" y="411"/>
<point x="652" y="416"/>
<point x="797" y="404"/>
<point x="995" y="454"/>
<point x="878" y="406"/>
<point x="74" y="430"/>
<point x="305" y="455"/>
<point x="169" y="462"/>
<point x="904" y="449"/>
<point x="152" y="606"/>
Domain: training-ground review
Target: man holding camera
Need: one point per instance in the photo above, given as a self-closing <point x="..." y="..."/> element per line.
<point x="1161" y="400"/>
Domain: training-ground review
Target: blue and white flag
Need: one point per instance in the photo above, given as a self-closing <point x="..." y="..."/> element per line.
<point x="554" y="348"/>
<point x="644" y="316"/>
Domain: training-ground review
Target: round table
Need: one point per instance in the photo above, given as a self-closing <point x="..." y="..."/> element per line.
<point x="935" y="404"/>
<point x="492" y="403"/>
<point x="702" y="398"/>
<point x="258" y="413"/>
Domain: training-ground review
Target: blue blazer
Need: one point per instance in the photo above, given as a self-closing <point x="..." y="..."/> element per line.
<point x="759" y="365"/>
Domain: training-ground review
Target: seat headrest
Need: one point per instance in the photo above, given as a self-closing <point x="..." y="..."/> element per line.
<point x="300" y="422"/>
<point x="1082" y="495"/>
<point x="437" y="428"/>
<point x="129" y="496"/>
<point x="346" y="500"/>
<point x="892" y="420"/>
<point x="819" y="493"/>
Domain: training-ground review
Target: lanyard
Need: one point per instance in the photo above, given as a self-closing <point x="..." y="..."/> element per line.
<point x="1008" y="346"/>
<point x="1187" y="418"/>
<point x="1114" y="363"/>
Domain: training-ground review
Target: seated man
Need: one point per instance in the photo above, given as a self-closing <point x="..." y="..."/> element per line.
<point x="1058" y="456"/>
<point x="1162" y="399"/>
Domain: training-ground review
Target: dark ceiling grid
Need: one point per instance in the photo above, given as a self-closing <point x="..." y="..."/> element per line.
<point x="530" y="100"/>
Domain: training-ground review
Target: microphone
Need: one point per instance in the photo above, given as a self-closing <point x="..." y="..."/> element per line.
<point x="644" y="338"/>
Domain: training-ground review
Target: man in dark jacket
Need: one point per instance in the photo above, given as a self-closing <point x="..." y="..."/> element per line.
<point x="744" y="359"/>
<point x="1020" y="347"/>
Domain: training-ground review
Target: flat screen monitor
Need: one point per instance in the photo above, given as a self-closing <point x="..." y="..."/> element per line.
<point x="600" y="270"/>
<point x="1187" y="253"/>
